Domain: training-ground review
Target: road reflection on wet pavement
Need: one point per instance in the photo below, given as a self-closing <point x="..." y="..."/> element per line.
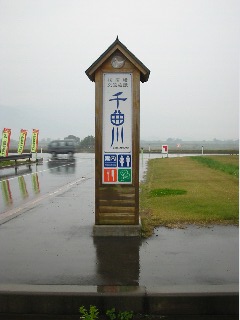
<point x="51" y="242"/>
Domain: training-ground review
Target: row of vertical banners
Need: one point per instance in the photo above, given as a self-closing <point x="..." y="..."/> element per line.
<point x="6" y="135"/>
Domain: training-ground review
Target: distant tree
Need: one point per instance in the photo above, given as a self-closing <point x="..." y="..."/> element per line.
<point x="72" y="137"/>
<point x="174" y="140"/>
<point x="216" y="141"/>
<point x="88" y="143"/>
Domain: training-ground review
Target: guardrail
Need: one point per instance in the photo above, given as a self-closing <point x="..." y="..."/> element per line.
<point x="17" y="157"/>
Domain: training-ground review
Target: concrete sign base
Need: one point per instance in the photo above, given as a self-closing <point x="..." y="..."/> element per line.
<point x="117" y="230"/>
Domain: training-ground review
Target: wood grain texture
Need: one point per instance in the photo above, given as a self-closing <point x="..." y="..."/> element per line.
<point x="117" y="203"/>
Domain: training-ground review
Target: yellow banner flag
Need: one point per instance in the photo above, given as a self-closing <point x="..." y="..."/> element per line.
<point x="35" y="183"/>
<point x="7" y="195"/>
<point x="34" y="145"/>
<point x="22" y="140"/>
<point x="6" y="134"/>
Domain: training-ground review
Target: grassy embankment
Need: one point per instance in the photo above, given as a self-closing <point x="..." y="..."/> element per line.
<point x="190" y="190"/>
<point x="11" y="163"/>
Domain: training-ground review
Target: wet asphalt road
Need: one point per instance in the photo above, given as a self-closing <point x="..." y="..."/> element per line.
<point x="32" y="182"/>
<point x="50" y="240"/>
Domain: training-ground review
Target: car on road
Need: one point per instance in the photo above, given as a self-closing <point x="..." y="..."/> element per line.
<point x="66" y="146"/>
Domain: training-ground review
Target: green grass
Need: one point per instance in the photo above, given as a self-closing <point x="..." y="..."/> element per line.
<point x="12" y="163"/>
<point x="229" y="168"/>
<point x="5" y="163"/>
<point x="166" y="192"/>
<point x="190" y="190"/>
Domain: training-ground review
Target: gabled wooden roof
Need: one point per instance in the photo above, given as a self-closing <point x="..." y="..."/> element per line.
<point x="117" y="45"/>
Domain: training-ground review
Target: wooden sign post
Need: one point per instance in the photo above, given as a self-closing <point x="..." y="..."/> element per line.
<point x="117" y="74"/>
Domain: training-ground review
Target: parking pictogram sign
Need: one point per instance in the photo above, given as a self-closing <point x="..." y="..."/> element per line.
<point x="110" y="160"/>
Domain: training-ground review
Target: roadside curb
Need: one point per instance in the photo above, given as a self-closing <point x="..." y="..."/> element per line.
<point x="66" y="300"/>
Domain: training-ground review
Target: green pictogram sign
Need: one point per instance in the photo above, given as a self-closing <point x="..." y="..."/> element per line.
<point x="124" y="175"/>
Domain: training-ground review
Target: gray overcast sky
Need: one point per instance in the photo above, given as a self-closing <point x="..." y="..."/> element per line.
<point x="190" y="46"/>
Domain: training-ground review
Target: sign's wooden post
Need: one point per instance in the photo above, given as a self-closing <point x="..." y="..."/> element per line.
<point x="117" y="74"/>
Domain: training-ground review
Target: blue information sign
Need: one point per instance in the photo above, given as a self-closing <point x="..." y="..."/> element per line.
<point x="124" y="161"/>
<point x="110" y="160"/>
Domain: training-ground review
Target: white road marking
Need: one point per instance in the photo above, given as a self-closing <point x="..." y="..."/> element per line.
<point x="8" y="215"/>
<point x="28" y="174"/>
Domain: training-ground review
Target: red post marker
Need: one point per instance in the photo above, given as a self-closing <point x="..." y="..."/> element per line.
<point x="165" y="149"/>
